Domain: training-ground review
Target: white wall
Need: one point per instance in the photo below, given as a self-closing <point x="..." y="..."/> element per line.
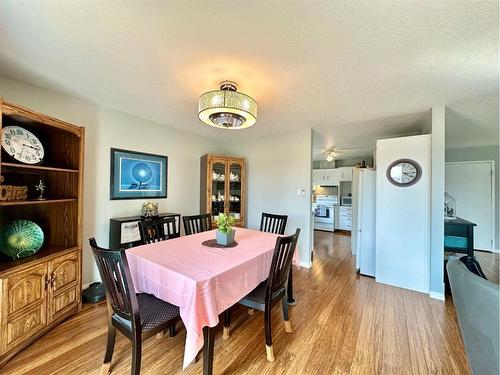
<point x="278" y="165"/>
<point x="437" y="202"/>
<point x="403" y="216"/>
<point x="106" y="128"/>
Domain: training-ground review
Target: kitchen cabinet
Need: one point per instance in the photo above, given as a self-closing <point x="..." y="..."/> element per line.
<point x="345" y="218"/>
<point x="316" y="180"/>
<point x="331" y="177"/>
<point x="325" y="177"/>
<point x="345" y="173"/>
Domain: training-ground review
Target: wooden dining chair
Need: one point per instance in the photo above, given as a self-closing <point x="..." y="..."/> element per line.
<point x="197" y="223"/>
<point x="156" y="230"/>
<point x="270" y="292"/>
<point x="276" y="224"/>
<point x="136" y="316"/>
<point x="273" y="223"/>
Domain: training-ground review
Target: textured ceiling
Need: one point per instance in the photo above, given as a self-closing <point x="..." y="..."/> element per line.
<point x="307" y="63"/>
<point x="358" y="139"/>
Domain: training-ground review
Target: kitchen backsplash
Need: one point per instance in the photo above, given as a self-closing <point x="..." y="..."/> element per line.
<point x="326" y="190"/>
<point x="323" y="164"/>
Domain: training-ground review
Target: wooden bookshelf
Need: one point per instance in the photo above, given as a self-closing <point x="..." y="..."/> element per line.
<point x="38" y="292"/>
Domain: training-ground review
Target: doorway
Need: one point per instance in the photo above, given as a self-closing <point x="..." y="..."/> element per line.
<point x="471" y="183"/>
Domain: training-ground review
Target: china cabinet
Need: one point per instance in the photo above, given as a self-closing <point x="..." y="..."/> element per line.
<point x="41" y="290"/>
<point x="223" y="187"/>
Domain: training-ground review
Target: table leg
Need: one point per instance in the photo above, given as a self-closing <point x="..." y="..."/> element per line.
<point x="291" y="301"/>
<point x="208" y="350"/>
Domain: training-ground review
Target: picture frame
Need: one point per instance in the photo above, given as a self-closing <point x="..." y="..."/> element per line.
<point x="137" y="175"/>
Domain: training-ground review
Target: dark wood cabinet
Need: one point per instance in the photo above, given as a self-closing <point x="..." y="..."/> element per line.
<point x="124" y="231"/>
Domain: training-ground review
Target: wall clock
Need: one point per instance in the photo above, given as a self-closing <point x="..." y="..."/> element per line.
<point x="22" y="145"/>
<point x="404" y="172"/>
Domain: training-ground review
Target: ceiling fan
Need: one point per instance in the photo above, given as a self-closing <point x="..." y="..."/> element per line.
<point x="332" y="152"/>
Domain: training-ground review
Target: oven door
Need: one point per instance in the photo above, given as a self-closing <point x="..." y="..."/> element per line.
<point x="324" y="214"/>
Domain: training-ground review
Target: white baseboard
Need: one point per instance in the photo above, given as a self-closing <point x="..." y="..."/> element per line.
<point x="305" y="264"/>
<point x="437" y="295"/>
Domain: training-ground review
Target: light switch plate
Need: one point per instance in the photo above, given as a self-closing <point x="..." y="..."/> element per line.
<point x="301" y="192"/>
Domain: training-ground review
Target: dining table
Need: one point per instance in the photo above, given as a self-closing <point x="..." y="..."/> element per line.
<point x="202" y="281"/>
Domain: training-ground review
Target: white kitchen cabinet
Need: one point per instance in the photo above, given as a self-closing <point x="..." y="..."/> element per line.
<point x="333" y="177"/>
<point x="345" y="218"/>
<point x="326" y="177"/>
<point x="316" y="177"/>
<point x="345" y="173"/>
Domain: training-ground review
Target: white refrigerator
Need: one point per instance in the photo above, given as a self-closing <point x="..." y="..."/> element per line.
<point x="363" y="220"/>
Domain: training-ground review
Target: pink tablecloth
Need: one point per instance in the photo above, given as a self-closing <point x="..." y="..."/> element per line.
<point x="202" y="281"/>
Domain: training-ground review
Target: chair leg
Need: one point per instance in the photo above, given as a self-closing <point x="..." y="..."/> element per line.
<point x="269" y="340"/>
<point x="227" y="324"/>
<point x="286" y="320"/>
<point x="172" y="330"/>
<point x="110" y="346"/>
<point x="136" y="355"/>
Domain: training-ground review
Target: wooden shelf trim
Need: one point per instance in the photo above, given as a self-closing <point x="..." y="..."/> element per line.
<point x="46" y="252"/>
<point x="38" y="167"/>
<point x="47" y="201"/>
<point x="10" y="109"/>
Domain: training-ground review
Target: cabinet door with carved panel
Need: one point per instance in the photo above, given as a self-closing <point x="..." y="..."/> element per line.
<point x="24" y="306"/>
<point x="64" y="284"/>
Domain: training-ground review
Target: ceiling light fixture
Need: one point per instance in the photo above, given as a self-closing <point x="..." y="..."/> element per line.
<point x="330" y="154"/>
<point x="226" y="108"/>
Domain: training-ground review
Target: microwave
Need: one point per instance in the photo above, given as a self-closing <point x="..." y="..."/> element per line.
<point x="346" y="201"/>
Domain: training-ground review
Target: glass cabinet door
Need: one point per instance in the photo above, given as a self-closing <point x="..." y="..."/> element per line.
<point x="218" y="188"/>
<point x="235" y="190"/>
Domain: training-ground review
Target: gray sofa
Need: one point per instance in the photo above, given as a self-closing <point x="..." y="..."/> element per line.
<point x="477" y="303"/>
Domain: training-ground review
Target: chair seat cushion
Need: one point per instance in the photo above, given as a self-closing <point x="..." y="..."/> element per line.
<point x="258" y="295"/>
<point x="153" y="312"/>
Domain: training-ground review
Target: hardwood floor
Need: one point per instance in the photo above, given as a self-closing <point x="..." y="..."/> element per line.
<point x="343" y="324"/>
<point x="489" y="264"/>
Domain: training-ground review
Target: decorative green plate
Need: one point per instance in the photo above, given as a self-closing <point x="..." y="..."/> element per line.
<point x="21" y="239"/>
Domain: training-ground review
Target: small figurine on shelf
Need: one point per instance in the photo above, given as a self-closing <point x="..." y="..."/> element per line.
<point x="41" y="188"/>
<point x="150" y="209"/>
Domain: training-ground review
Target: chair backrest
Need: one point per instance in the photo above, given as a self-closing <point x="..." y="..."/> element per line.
<point x="477" y="303"/>
<point x="273" y="223"/>
<point x="197" y="223"/>
<point x="115" y="275"/>
<point x="281" y="263"/>
<point x="157" y="230"/>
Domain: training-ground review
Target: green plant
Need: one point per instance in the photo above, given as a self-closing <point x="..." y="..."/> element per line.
<point x="225" y="223"/>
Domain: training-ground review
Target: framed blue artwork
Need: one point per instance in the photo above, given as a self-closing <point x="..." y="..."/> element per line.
<point x="137" y="175"/>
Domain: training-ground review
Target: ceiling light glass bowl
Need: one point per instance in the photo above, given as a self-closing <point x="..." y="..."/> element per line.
<point x="226" y="108"/>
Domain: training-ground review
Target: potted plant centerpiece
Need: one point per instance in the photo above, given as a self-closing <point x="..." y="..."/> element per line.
<point x="225" y="231"/>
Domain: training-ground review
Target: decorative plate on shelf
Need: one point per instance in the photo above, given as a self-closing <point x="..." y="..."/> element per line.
<point x="21" y="238"/>
<point x="22" y="145"/>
